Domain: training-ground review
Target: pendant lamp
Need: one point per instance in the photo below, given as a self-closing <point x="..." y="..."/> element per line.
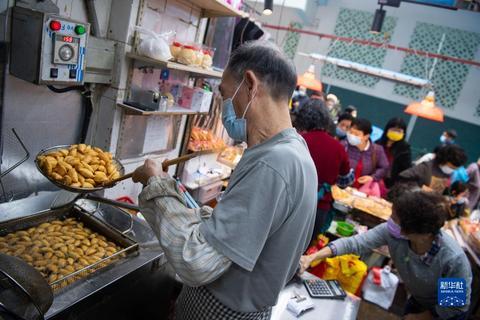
<point x="426" y="108"/>
<point x="308" y="80"/>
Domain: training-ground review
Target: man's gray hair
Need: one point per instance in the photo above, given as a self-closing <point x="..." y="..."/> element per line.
<point x="268" y="63"/>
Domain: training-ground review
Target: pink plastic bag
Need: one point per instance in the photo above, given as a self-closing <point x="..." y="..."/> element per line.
<point x="371" y="188"/>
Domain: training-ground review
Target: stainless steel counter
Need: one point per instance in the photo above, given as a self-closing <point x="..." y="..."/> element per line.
<point x="149" y="252"/>
<point x="326" y="309"/>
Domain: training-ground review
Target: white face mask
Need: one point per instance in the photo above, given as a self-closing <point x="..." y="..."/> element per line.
<point x="353" y="139"/>
<point x="446" y="169"/>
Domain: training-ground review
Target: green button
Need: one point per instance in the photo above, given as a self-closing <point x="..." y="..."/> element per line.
<point x="79" y="29"/>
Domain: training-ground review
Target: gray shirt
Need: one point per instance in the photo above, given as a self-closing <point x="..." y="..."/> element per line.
<point x="264" y="222"/>
<point x="420" y="277"/>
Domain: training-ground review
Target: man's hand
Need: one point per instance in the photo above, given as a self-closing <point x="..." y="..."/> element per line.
<point x="426" y="315"/>
<point x="365" y="179"/>
<point x="149" y="169"/>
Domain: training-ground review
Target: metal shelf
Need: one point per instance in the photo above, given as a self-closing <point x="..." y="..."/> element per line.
<point x="218" y="8"/>
<point x="195" y="71"/>
<point x="172" y="112"/>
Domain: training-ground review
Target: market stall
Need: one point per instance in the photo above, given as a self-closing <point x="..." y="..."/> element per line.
<point x="103" y="64"/>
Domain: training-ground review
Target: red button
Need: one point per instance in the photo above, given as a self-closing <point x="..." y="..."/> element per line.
<point x="55" y="25"/>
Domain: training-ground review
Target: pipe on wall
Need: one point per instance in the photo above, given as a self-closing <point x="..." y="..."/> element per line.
<point x="374" y="44"/>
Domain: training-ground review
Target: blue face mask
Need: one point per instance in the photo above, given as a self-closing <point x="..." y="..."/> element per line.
<point x="236" y="127"/>
<point x="340" y="133"/>
<point x="445" y="140"/>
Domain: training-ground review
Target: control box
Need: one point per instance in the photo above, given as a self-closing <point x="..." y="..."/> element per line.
<point x="46" y="48"/>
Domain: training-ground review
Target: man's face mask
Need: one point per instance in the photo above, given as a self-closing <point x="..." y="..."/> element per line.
<point x="236" y="127"/>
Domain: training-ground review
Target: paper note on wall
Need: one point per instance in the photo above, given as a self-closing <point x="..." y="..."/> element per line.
<point x="158" y="134"/>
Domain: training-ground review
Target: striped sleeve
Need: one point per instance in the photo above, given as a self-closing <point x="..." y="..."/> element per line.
<point x="195" y="261"/>
<point x="346" y="180"/>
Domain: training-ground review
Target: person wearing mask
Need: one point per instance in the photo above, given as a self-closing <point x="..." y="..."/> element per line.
<point x="448" y="137"/>
<point x="299" y="97"/>
<point x="368" y="160"/>
<point x="329" y="157"/>
<point x="344" y="122"/>
<point x="473" y="184"/>
<point x="396" y="149"/>
<point x="235" y="259"/>
<point x="435" y="174"/>
<point x="421" y="252"/>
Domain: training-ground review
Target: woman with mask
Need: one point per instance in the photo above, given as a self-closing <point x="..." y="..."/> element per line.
<point x="344" y="122"/>
<point x="396" y="149"/>
<point x="434" y="175"/>
<point x="421" y="251"/>
<point x="368" y="160"/>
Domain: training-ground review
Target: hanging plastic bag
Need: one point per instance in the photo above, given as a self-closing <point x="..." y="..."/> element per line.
<point x="154" y="45"/>
<point x="380" y="287"/>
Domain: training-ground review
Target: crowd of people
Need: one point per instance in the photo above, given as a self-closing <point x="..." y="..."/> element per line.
<point x="344" y="153"/>
<point x="424" y="193"/>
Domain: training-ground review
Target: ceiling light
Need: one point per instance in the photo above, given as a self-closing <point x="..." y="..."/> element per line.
<point x="268" y="8"/>
<point x="378" y="20"/>
<point x="426" y="108"/>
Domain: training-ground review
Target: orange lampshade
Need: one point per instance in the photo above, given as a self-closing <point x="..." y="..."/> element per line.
<point x="308" y="80"/>
<point x="426" y="108"/>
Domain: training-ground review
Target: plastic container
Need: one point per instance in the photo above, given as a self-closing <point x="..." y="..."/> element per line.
<point x="175" y="49"/>
<point x="199" y="56"/>
<point x="188" y="55"/>
<point x="207" y="61"/>
<point x="344" y="228"/>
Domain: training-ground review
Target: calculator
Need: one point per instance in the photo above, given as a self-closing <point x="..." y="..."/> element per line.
<point x="324" y="289"/>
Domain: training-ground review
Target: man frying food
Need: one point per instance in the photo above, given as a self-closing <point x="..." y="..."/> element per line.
<point x="235" y="259"/>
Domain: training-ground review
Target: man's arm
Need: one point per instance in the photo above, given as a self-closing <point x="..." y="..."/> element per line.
<point x="177" y="229"/>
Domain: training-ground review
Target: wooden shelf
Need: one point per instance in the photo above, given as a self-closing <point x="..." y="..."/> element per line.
<point x="195" y="71"/>
<point x="172" y="112"/>
<point x="218" y="8"/>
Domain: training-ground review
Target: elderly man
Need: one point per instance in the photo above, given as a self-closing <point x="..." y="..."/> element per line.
<point x="235" y="260"/>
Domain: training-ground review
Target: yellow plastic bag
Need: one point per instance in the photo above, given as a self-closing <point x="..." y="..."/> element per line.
<point x="348" y="270"/>
<point x="352" y="273"/>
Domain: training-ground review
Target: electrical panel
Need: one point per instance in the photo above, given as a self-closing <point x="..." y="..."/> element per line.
<point x="47" y="48"/>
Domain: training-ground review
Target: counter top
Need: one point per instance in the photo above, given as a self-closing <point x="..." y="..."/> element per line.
<point x="324" y="308"/>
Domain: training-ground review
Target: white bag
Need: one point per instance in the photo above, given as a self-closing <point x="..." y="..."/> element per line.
<point x="154" y="45"/>
<point x="380" y="291"/>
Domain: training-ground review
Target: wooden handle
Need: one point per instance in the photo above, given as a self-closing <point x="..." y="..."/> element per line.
<point x="115" y="181"/>
<point x="168" y="163"/>
<point x="165" y="165"/>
